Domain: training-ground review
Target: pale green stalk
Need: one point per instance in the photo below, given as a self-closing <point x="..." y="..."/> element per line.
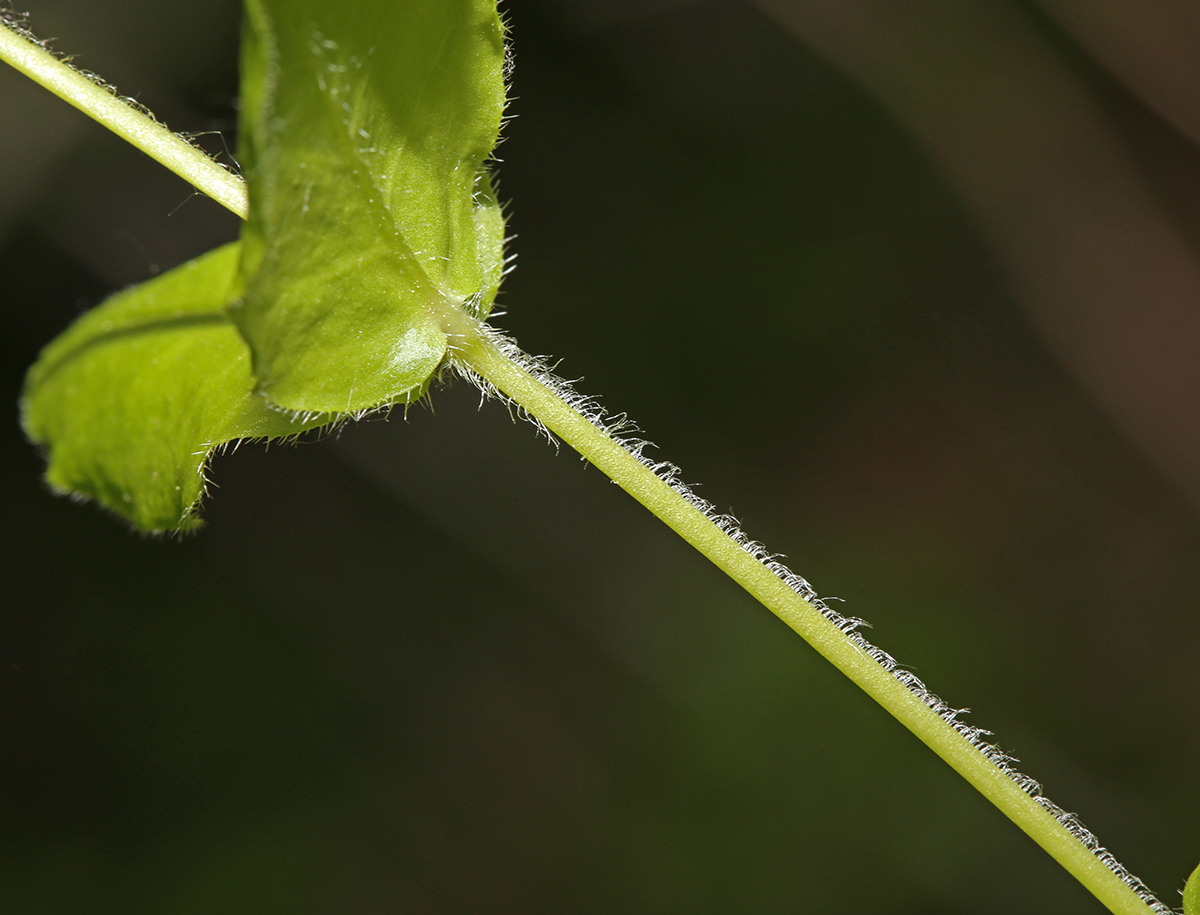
<point x="101" y="104"/>
<point x="474" y="348"/>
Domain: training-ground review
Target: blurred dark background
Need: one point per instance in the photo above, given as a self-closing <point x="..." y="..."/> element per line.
<point x="910" y="287"/>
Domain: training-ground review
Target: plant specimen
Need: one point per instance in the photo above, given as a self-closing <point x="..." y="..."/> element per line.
<point x="373" y="252"/>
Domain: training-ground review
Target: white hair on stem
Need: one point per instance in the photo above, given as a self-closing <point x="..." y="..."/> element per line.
<point x="621" y="430"/>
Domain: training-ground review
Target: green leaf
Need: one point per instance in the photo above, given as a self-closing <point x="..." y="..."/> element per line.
<point x="134" y="397"/>
<point x="363" y="136"/>
<point x="1191" y="894"/>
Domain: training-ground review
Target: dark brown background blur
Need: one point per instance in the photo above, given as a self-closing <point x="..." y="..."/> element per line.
<point x="910" y="287"/>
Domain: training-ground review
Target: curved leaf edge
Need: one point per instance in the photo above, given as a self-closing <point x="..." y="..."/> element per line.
<point x="132" y="402"/>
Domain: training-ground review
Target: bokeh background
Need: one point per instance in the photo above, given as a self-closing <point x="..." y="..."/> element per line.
<point x="910" y="286"/>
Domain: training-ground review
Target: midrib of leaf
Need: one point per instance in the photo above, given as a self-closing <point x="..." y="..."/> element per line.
<point x="501" y="367"/>
<point x="340" y="291"/>
<point x="436" y="299"/>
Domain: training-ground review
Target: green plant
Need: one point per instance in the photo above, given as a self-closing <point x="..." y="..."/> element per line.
<point x="192" y="301"/>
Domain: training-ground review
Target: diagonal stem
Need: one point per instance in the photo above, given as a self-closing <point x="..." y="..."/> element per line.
<point x="102" y="104"/>
<point x="476" y="347"/>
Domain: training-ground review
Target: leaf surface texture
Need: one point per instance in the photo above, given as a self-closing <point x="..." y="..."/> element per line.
<point x="365" y="129"/>
<point x="134" y="397"/>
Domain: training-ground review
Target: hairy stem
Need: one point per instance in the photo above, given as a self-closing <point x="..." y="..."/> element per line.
<point x="476" y="348"/>
<point x="501" y="367"/>
<point x="101" y="104"/>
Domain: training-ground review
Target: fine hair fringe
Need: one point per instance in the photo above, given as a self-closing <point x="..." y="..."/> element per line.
<point x="624" y="432"/>
<point x="18" y="22"/>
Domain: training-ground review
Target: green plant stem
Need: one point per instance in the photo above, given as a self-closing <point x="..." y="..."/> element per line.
<point x="474" y="347"/>
<point x="101" y="104"/>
